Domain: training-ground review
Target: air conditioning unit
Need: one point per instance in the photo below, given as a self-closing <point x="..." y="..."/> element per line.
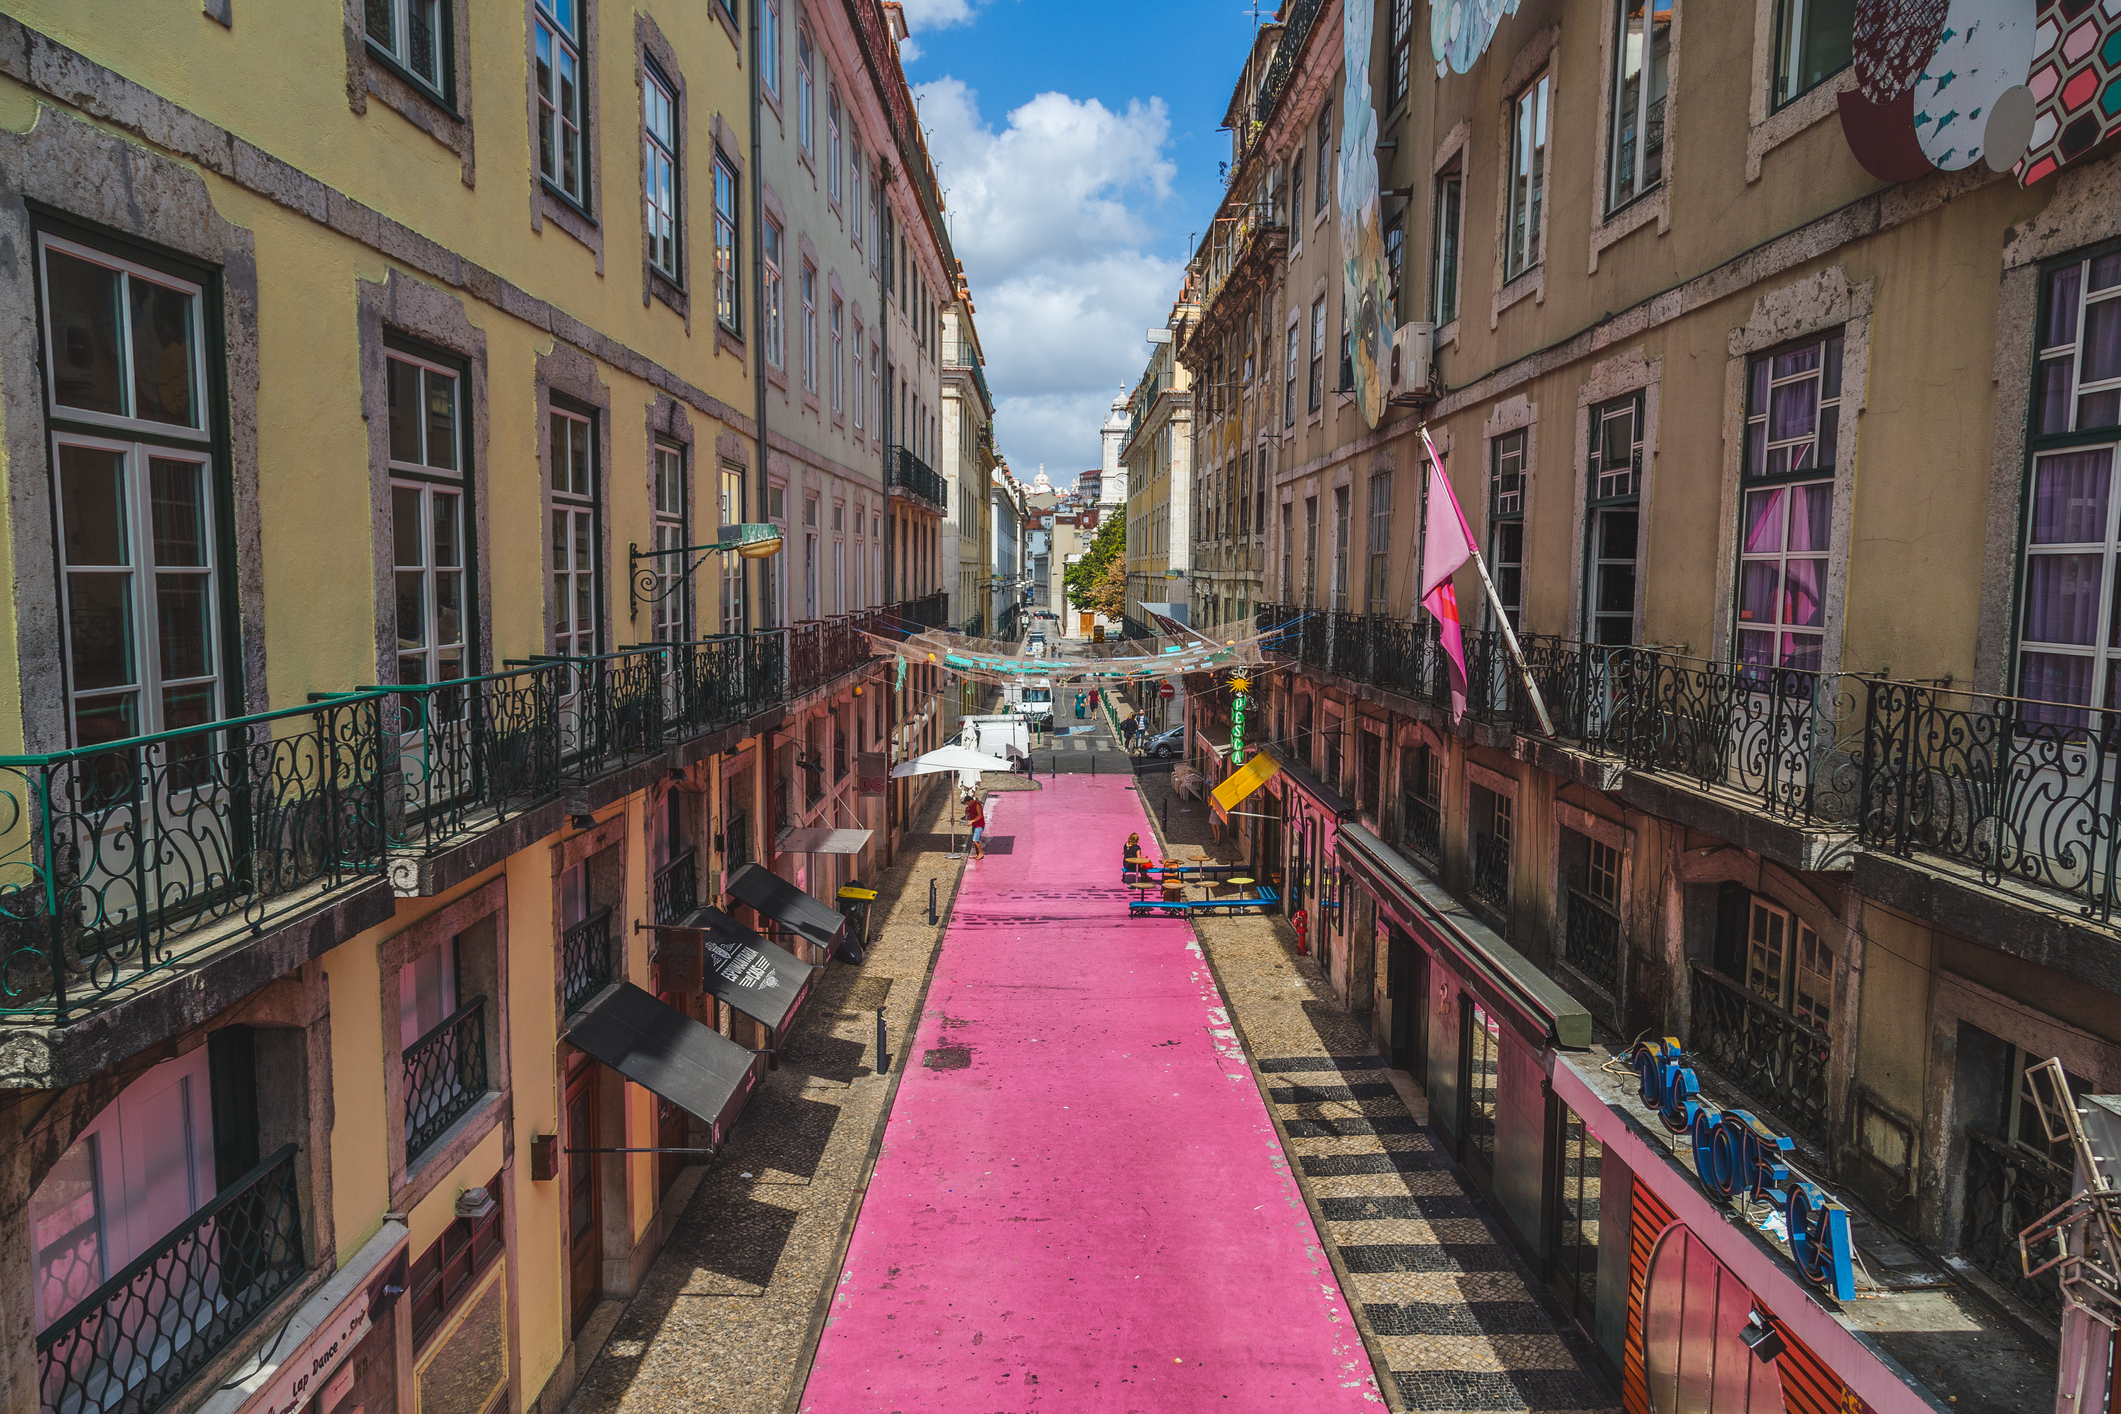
<point x="1411" y="345"/>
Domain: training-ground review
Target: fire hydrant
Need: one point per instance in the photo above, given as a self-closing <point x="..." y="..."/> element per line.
<point x="1303" y="928"/>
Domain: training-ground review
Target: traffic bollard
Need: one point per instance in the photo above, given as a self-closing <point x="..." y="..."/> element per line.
<point x="883" y="1062"/>
<point x="1167" y="815"/>
<point x="931" y="901"/>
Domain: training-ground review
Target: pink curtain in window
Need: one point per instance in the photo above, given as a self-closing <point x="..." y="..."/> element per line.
<point x="2069" y="497"/>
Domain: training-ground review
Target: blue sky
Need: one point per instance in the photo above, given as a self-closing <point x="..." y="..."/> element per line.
<point x="1078" y="144"/>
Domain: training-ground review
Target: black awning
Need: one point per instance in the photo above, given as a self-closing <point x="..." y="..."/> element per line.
<point x="654" y="1044"/>
<point x="765" y="982"/>
<point x="756" y="886"/>
<point x="1331" y="801"/>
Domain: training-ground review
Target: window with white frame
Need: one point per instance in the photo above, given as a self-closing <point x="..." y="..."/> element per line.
<point x="809" y="327"/>
<point x="1340" y="549"/>
<point x="137" y="493"/>
<point x="832" y="144"/>
<point x="659" y="106"/>
<point x="563" y="155"/>
<point x="1527" y="178"/>
<point x="861" y="385"/>
<point x="1318" y="354"/>
<point x="876" y="375"/>
<point x="1793" y="406"/>
<point x="1787" y="964"/>
<point x="774" y="613"/>
<point x="1323" y="180"/>
<point x="839" y="354"/>
<point x="1288" y="374"/>
<point x="416" y="37"/>
<point x="731" y="510"/>
<point x="770" y="46"/>
<point x="1399" y="58"/>
<point x="2069" y="632"/>
<point x="1613" y="478"/>
<point x="671" y="616"/>
<point x="1642" y="52"/>
<point x="805" y="91"/>
<point x="1380" y="576"/>
<point x="1506" y="473"/>
<point x="1814" y="40"/>
<point x="429" y="497"/>
<point x="776" y="298"/>
<point x="1449" y="210"/>
<point x="857" y="185"/>
<point x="810" y="557"/>
<point x="728" y="269"/>
<point x="572" y="507"/>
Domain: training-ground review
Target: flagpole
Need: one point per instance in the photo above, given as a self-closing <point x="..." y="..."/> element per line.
<point x="1502" y="618"/>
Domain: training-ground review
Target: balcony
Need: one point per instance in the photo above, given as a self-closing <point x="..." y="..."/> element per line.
<point x="1778" y="1059"/>
<point x="132" y="1343"/>
<point x="1243" y="250"/>
<point x="585" y="959"/>
<point x="1297" y="20"/>
<point x="912" y="476"/>
<point x="960" y="355"/>
<point x="445" y="1075"/>
<point x="677" y="887"/>
<point x="2009" y="1188"/>
<point x="912" y="615"/>
<point x="821" y="651"/>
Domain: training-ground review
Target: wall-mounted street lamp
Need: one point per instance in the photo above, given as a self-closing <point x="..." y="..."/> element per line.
<point x="750" y="541"/>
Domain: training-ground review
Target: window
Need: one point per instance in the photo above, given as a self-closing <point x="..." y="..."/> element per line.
<point x="428" y="495"/>
<point x="669" y="621"/>
<point x="1494" y="828"/>
<point x="1296" y="197"/>
<point x="1614" y="477"/>
<point x="660" y="168"/>
<point x="137" y="494"/>
<point x="805" y="92"/>
<point x="1793" y="399"/>
<point x="2078" y="387"/>
<point x="1395" y="259"/>
<point x="1310" y="551"/>
<point x="563" y="159"/>
<point x="573" y="509"/>
<point x="810" y="559"/>
<point x="442" y="1276"/>
<point x="728" y="272"/>
<point x="861" y="386"/>
<point x="1318" y="354"/>
<point x="809" y="327"/>
<point x="1814" y="40"/>
<point x="731" y="510"/>
<point x="876" y="377"/>
<point x="1421" y="802"/>
<point x="1288" y="387"/>
<point x="1340" y="549"/>
<point x="776" y="297"/>
<point x="770" y="46"/>
<point x="1347" y="352"/>
<point x="1483" y="1055"/>
<point x="1788" y="965"/>
<point x="1640" y="63"/>
<point x="1579" y="1157"/>
<point x="1399" y="61"/>
<point x="1323" y="180"/>
<point x="1443" y="248"/>
<point x="832" y="144"/>
<point x="1380" y="575"/>
<point x="415" y="36"/>
<point x="839" y="355"/>
<point x="857" y="187"/>
<point x="1527" y="178"/>
<point x="1506" y="522"/>
<point x="1288" y="551"/>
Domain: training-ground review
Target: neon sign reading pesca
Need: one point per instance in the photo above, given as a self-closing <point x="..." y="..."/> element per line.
<point x="1736" y="1156"/>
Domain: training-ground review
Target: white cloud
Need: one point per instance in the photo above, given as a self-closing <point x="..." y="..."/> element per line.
<point x="937" y="14"/>
<point x="1051" y="215"/>
<point x="909" y="50"/>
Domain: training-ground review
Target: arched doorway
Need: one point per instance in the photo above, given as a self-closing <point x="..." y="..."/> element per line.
<point x="1693" y="1309"/>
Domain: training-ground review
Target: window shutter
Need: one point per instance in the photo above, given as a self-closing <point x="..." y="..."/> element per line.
<point x="232" y="1077"/>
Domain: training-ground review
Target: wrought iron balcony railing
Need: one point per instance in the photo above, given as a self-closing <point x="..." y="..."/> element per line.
<point x="2008" y="1189"/>
<point x="1775" y="1057"/>
<point x="133" y="1342"/>
<point x="474" y="752"/>
<point x="1591" y="943"/>
<point x="960" y="354"/>
<point x="1422" y="830"/>
<point x="677" y="887"/>
<point x="822" y="650"/>
<point x="1296" y="30"/>
<point x="916" y="478"/>
<point x="1491" y="872"/>
<point x="586" y="963"/>
<point x="445" y="1074"/>
<point x="910" y="615"/>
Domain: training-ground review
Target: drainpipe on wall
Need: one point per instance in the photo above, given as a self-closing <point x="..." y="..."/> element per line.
<point x="757" y="343"/>
<point x="887" y="174"/>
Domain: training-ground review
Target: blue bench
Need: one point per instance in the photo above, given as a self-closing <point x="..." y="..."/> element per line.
<point x="1267" y="901"/>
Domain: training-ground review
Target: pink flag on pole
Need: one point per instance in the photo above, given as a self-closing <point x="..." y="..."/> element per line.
<point x="1447" y="544"/>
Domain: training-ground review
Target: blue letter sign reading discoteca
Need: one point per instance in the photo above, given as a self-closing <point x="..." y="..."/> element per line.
<point x="1736" y="1156"/>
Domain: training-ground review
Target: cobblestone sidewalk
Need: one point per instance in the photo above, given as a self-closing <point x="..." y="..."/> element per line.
<point x="729" y="1313"/>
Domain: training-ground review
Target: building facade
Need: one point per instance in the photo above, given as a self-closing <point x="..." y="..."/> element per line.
<point x="1157" y="455"/>
<point x="1767" y="819"/>
<point x="335" y="859"/>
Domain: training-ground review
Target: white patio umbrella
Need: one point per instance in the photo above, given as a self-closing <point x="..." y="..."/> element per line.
<point x="963" y="760"/>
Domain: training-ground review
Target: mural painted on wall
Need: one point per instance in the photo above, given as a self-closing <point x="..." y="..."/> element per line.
<point x="2024" y="86"/>
<point x="1362" y="242"/>
<point x="1460" y="31"/>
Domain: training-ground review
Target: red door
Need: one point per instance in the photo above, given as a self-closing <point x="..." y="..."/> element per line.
<point x="585" y="1207"/>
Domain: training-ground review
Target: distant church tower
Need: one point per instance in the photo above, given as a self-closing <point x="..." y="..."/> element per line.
<point x="1112" y="489"/>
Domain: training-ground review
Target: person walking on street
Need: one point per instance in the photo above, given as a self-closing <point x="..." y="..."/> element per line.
<point x="976" y="817"/>
<point x="1078" y="706"/>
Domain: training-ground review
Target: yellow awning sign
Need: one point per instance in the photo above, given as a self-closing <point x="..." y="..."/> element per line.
<point x="1246" y="779"/>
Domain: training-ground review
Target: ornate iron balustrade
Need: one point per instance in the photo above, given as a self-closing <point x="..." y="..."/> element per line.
<point x="1592" y="942"/>
<point x="1491" y="872"/>
<point x="121" y="861"/>
<point x="960" y="354"/>
<point x="1423" y="822"/>
<point x="1296" y="29"/>
<point x="1778" y="1060"/>
<point x="929" y="611"/>
<point x="1242" y="245"/>
<point x="585" y="958"/>
<point x="821" y="650"/>
<point x="916" y="478"/>
<point x="1348" y="645"/>
<point x="677" y="887"/>
<point x="445" y="1074"/>
<point x="474" y="752"/>
<point x="2007" y="1190"/>
<point x="723" y="681"/>
<point x="612" y="711"/>
<point x="2025" y="792"/>
<point x="133" y="1342"/>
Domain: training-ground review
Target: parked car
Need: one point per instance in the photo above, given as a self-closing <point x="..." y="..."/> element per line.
<point x="1166" y="744"/>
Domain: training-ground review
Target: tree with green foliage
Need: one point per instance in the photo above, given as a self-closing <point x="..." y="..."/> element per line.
<point x="1083" y="579"/>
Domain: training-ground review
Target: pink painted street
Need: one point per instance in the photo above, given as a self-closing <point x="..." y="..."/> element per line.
<point x="1081" y="1201"/>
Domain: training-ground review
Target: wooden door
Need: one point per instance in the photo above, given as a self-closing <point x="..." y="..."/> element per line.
<point x="585" y="1204"/>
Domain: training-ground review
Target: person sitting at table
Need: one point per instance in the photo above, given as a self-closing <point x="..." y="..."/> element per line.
<point x="1130" y="854"/>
